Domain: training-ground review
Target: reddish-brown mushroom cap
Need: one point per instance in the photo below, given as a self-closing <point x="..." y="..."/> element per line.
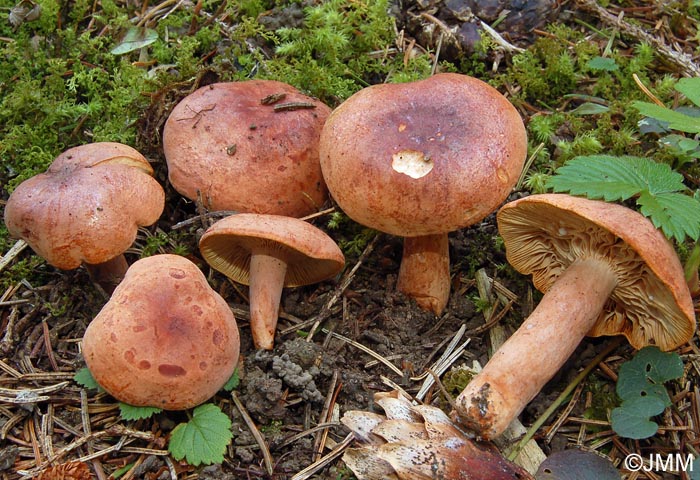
<point x="269" y="252"/>
<point x="165" y="339"/>
<point x="422" y="159"/>
<point x="88" y="205"/>
<point x="605" y="270"/>
<point x="247" y="146"/>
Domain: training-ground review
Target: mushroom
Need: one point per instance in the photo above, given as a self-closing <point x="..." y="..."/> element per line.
<point x="165" y="339"/>
<point x="86" y="209"/>
<point x="419" y="442"/>
<point x="248" y="146"/>
<point x="605" y="270"/>
<point x="269" y="252"/>
<point x="419" y="160"/>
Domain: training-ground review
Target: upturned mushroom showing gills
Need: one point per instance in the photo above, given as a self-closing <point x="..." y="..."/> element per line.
<point x="248" y="146"/>
<point x="605" y="270"/>
<point x="165" y="339"/>
<point x="268" y="253"/>
<point x="86" y="209"/>
<point x="419" y="160"/>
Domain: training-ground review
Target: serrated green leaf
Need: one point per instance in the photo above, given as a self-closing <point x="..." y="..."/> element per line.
<point x="135" y="38"/>
<point x="233" y="381"/>
<point x="130" y="412"/>
<point x="676" y="120"/>
<point x="84" y="378"/>
<point x="690" y="87"/>
<point x="677" y="215"/>
<point x="203" y="439"/>
<point x="631" y="420"/>
<point x="655" y="185"/>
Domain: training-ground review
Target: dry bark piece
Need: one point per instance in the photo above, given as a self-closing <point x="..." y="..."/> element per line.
<point x="268" y="253"/>
<point x="86" y="208"/>
<point x="165" y="339"/>
<point x="233" y="147"/>
<point x="605" y="270"/>
<point x="422" y="159"/>
<point x="427" y="447"/>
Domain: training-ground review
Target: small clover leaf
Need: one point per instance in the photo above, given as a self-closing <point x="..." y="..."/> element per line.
<point x="640" y="385"/>
<point x="202" y="440"/>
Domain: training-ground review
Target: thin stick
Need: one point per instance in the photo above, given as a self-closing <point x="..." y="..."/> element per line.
<point x="12" y="253"/>
<point x="367" y="350"/>
<point x="314" y="467"/>
<point x="563" y="395"/>
<point x="267" y="457"/>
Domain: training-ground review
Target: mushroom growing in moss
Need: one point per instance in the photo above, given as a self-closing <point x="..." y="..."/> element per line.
<point x="248" y="146"/>
<point x="86" y="209"/>
<point x="269" y="252"/>
<point x="605" y="270"/>
<point x="165" y="339"/>
<point x="419" y="160"/>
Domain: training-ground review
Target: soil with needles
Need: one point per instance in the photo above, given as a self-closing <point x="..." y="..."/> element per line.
<point x="317" y="370"/>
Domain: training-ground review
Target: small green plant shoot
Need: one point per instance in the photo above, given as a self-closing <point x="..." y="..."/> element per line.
<point x="683" y="120"/>
<point x="201" y="440"/>
<point x="655" y="187"/>
<point x="640" y="385"/>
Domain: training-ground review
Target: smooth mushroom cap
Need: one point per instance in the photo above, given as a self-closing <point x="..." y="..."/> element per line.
<point x="165" y="339"/>
<point x="311" y="255"/>
<point x="425" y="157"/>
<point x="87" y="206"/>
<point x="242" y="152"/>
<point x="651" y="304"/>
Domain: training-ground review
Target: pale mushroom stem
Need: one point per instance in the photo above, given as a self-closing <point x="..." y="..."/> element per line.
<point x="108" y="274"/>
<point x="267" y="274"/>
<point x="424" y="274"/>
<point x="536" y="351"/>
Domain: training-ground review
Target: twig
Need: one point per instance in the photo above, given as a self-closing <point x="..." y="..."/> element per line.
<point x="267" y="457"/>
<point x="12" y="253"/>
<point x="314" y="467"/>
<point x="367" y="350"/>
<point x="681" y="60"/>
<point x="326" y="416"/>
<point x="563" y="395"/>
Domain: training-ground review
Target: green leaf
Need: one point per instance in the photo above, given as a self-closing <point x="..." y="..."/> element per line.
<point x="232" y="382"/>
<point x="655" y="186"/>
<point x="690" y="87"/>
<point x="203" y="439"/>
<point x="602" y="63"/>
<point x="135" y="38"/>
<point x="590" y="108"/>
<point x="676" y="120"/>
<point x="631" y="420"/>
<point x="130" y="412"/>
<point x="84" y="378"/>
<point x="640" y="385"/>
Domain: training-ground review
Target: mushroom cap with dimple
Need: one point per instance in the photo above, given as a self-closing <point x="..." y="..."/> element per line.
<point x="651" y="304"/>
<point x="249" y="146"/>
<point x="424" y="157"/>
<point x="311" y="255"/>
<point x="87" y="206"/>
<point x="165" y="339"/>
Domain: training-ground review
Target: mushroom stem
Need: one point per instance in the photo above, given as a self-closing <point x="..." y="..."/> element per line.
<point x="267" y="275"/>
<point x="424" y="274"/>
<point x="536" y="351"/>
<point x="108" y="274"/>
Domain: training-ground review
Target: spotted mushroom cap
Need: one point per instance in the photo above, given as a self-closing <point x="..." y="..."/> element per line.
<point x="248" y="146"/>
<point x="424" y="157"/>
<point x="311" y="255"/>
<point x="165" y="339"/>
<point x="651" y="303"/>
<point x="87" y="206"/>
